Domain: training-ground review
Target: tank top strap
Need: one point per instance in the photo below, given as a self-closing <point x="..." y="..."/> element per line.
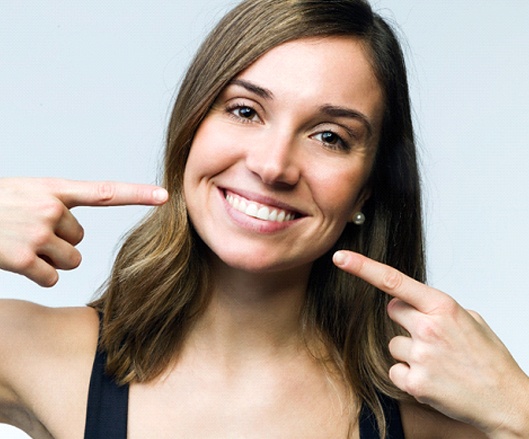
<point x="107" y="408"/>
<point x="368" y="425"/>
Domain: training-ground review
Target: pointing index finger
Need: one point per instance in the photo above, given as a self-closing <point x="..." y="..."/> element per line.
<point x="389" y="280"/>
<point x="108" y="193"/>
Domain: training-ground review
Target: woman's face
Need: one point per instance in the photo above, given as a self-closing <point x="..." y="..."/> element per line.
<point x="280" y="163"/>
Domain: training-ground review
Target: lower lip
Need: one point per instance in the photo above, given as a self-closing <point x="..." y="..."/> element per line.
<point x="254" y="224"/>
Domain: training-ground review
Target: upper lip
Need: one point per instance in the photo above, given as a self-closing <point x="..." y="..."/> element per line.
<point x="264" y="199"/>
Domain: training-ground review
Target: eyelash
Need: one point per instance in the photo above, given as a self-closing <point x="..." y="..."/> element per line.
<point x="231" y="110"/>
<point x="339" y="145"/>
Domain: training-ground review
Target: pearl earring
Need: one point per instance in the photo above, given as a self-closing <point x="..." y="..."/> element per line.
<point x="359" y="218"/>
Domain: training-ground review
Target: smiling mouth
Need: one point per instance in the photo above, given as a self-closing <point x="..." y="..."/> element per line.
<point x="260" y="211"/>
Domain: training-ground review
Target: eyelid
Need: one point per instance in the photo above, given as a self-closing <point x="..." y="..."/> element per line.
<point x="339" y="129"/>
<point x="342" y="145"/>
<point x="236" y="103"/>
<point x="350" y="132"/>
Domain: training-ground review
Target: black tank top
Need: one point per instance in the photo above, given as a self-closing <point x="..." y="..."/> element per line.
<point x="107" y="411"/>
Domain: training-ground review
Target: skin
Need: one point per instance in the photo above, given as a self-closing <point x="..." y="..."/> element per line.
<point x="50" y="351"/>
<point x="44" y="234"/>
<point x="273" y="154"/>
<point x="269" y="150"/>
<point x="244" y="363"/>
<point x="451" y="355"/>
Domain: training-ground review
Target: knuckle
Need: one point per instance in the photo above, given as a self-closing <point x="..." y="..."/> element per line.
<point x="420" y="355"/>
<point x="78" y="235"/>
<point x="105" y="191"/>
<point x="450" y="306"/>
<point x="394" y="346"/>
<point x="476" y="316"/>
<point x="50" y="279"/>
<point x="76" y="259"/>
<point x="361" y="265"/>
<point x="40" y="236"/>
<point x="417" y="386"/>
<point x="24" y="261"/>
<point x="392" y="280"/>
<point x="69" y="259"/>
<point x="52" y="185"/>
<point x="428" y="330"/>
<point x="393" y="306"/>
<point x="52" y="210"/>
<point x="140" y="195"/>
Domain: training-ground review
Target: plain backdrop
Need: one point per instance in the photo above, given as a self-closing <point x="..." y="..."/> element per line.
<point x="86" y="89"/>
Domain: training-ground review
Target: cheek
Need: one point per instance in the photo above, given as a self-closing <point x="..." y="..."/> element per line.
<point x="340" y="191"/>
<point x="212" y="150"/>
<point x="203" y="156"/>
<point x="202" y="146"/>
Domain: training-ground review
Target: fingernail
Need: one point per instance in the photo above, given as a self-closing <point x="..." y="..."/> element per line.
<point x="160" y="195"/>
<point x="339" y="258"/>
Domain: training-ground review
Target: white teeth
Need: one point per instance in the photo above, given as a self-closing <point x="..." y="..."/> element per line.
<point x="251" y="210"/>
<point x="263" y="213"/>
<point x="258" y="211"/>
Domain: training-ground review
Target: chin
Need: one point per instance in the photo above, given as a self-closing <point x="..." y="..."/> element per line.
<point x="259" y="262"/>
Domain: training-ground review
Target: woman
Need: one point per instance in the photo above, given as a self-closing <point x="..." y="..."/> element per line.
<point x="291" y="138"/>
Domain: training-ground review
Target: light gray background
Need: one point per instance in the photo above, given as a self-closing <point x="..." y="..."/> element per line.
<point x="85" y="92"/>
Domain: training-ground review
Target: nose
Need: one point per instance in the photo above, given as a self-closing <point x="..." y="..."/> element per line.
<point x="274" y="159"/>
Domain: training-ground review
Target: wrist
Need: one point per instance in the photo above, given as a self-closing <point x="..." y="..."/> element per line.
<point x="514" y="423"/>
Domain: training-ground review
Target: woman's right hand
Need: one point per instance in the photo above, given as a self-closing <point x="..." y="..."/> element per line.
<point x="38" y="233"/>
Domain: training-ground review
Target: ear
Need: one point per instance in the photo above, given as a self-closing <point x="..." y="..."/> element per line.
<point x="363" y="196"/>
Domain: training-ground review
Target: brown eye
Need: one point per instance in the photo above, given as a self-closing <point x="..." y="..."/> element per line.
<point x="329" y="137"/>
<point x="331" y="140"/>
<point x="245" y="112"/>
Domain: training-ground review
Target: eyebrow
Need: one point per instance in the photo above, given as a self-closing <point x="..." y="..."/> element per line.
<point x="329" y="110"/>
<point x="253" y="88"/>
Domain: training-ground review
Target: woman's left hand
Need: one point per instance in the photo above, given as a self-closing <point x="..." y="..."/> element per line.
<point x="452" y="360"/>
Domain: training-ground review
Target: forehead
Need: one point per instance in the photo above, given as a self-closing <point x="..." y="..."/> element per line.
<point x="330" y="70"/>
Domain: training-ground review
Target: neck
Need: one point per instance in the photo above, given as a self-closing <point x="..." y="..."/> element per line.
<point x="252" y="313"/>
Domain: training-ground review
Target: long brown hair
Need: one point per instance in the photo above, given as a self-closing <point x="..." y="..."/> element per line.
<point x="159" y="282"/>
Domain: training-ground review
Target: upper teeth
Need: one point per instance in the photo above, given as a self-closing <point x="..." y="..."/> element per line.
<point x="260" y="211"/>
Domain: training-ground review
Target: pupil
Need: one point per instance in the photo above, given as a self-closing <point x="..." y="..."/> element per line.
<point x="246" y="112"/>
<point x="329" y="137"/>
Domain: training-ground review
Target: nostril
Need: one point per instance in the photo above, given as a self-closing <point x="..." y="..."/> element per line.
<point x="276" y="163"/>
<point x="274" y="174"/>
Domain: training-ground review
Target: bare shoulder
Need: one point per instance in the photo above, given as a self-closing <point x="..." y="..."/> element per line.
<point x="420" y="421"/>
<point x="30" y="329"/>
<point x="47" y="354"/>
